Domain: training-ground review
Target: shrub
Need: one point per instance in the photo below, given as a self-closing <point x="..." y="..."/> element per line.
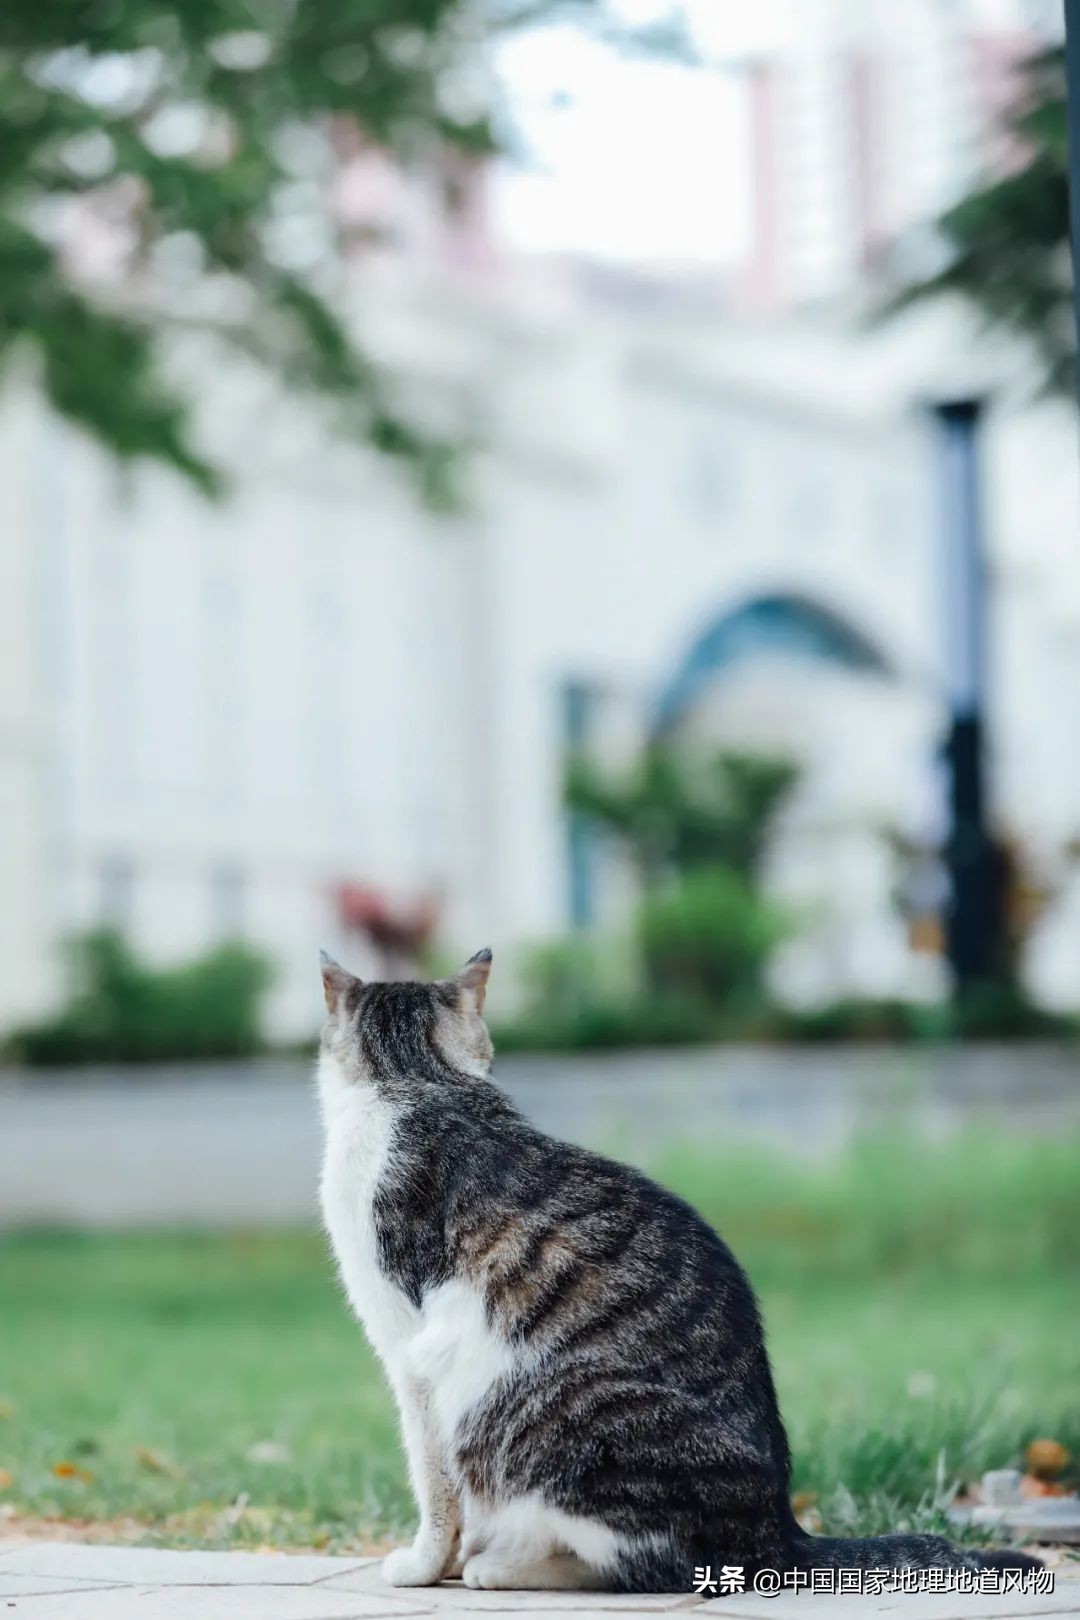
<point x="123" y="1011"/>
<point x="708" y="936"/>
<point x="613" y="1023"/>
<point x="564" y="976"/>
<point x="683" y="811"/>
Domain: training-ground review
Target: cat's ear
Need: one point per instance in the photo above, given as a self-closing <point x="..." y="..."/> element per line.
<point x="471" y="980"/>
<point x="336" y="981"/>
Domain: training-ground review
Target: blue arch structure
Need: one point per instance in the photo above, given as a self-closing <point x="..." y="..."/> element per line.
<point x="776" y="623"/>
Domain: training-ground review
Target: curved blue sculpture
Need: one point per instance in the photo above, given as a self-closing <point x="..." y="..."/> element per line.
<point x="779" y="622"/>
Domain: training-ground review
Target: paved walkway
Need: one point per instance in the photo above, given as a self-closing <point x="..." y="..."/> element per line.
<point x="66" y="1581"/>
<point x="239" y="1142"/>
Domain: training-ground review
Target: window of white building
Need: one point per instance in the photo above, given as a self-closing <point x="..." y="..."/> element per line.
<point x="116" y="892"/>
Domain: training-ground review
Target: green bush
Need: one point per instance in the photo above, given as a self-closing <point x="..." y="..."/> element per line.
<point x="708" y="936"/>
<point x="123" y="1011"/>
<point x="613" y="1023"/>
<point x="1004" y="1012"/>
<point x="564" y="976"/>
<point x="693" y="973"/>
<point x="685" y="810"/>
<point x="862" y="1019"/>
<point x="989" y="1012"/>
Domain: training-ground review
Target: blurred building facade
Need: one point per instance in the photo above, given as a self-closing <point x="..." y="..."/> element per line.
<point x="228" y="713"/>
<point x="216" y="717"/>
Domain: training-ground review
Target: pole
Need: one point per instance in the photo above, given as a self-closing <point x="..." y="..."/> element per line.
<point x="1072" y="73"/>
<point x="974" y="921"/>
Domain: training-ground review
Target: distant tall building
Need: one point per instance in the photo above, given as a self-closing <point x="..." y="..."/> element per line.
<point x="866" y="124"/>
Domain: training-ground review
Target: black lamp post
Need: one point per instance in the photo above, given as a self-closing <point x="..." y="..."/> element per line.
<point x="1072" y="72"/>
<point x="975" y="919"/>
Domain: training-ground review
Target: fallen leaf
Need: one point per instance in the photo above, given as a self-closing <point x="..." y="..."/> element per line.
<point x="803" y="1505"/>
<point x="157" y="1462"/>
<point x="7" y="1479"/>
<point x="70" y="1470"/>
<point x="7" y="1410"/>
<point x="1046" y="1459"/>
<point x="1032" y="1488"/>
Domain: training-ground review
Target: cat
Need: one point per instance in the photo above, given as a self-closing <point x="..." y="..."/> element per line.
<point x="578" y="1360"/>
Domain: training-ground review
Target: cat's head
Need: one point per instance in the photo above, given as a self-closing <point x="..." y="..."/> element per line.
<point x="392" y="1037"/>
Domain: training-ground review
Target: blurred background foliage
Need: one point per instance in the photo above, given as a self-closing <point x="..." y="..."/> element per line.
<point x="201" y="128"/>
<point x="697" y="829"/>
<point x="121" y="1010"/>
<point x="206" y="136"/>
<point x="693" y="963"/>
<point x="690" y="966"/>
<point x="1004" y="247"/>
<point x="675" y="810"/>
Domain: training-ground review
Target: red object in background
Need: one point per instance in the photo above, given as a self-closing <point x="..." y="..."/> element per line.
<point x="395" y="930"/>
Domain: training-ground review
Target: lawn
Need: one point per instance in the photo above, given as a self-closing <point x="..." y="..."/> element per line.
<point x="921" y="1304"/>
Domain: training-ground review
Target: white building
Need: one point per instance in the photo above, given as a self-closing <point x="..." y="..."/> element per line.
<point x="213" y="717"/>
<point x="217" y="715"/>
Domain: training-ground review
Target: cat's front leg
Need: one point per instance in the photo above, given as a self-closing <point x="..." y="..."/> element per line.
<point x="434" y="1547"/>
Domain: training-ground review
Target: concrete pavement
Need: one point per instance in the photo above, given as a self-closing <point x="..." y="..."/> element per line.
<point x="65" y="1581"/>
<point x="239" y="1142"/>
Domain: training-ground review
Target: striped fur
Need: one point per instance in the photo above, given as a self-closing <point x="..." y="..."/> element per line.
<point x="579" y="1360"/>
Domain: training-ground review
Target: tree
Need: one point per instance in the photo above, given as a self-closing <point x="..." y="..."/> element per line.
<point x="1006" y="244"/>
<point x="680" y="812"/>
<point x="201" y="130"/>
<point x="698" y="830"/>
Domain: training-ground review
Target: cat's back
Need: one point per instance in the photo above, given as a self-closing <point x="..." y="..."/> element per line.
<point x="572" y="1248"/>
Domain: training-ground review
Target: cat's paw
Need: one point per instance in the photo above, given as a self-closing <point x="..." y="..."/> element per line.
<point x="413" y="1566"/>
<point x="485" y="1573"/>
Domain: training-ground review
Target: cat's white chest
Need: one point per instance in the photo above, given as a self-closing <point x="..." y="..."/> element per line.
<point x="446" y="1345"/>
<point x="359" y="1137"/>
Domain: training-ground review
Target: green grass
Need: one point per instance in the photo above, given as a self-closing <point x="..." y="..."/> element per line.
<point x="956" y="1264"/>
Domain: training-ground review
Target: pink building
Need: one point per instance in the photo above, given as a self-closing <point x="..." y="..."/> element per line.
<point x="861" y="132"/>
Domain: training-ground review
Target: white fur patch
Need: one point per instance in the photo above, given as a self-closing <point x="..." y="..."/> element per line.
<point x="457" y="1353"/>
<point x="359" y="1133"/>
<point x="448" y="1344"/>
<point x="527" y="1530"/>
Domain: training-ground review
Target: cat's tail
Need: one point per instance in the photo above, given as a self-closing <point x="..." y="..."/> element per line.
<point x="664" y="1568"/>
<point x="900" y="1552"/>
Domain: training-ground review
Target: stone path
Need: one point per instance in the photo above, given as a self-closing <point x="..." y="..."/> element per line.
<point x="67" y="1581"/>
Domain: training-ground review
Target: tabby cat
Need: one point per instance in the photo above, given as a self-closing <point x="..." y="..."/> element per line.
<point x="578" y="1360"/>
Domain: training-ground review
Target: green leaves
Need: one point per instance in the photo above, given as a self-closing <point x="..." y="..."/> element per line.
<point x="121" y="1010"/>
<point x="682" y="811"/>
<point x="1006" y="244"/>
<point x="698" y="828"/>
<point x="182" y="124"/>
<point x="217" y="125"/>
